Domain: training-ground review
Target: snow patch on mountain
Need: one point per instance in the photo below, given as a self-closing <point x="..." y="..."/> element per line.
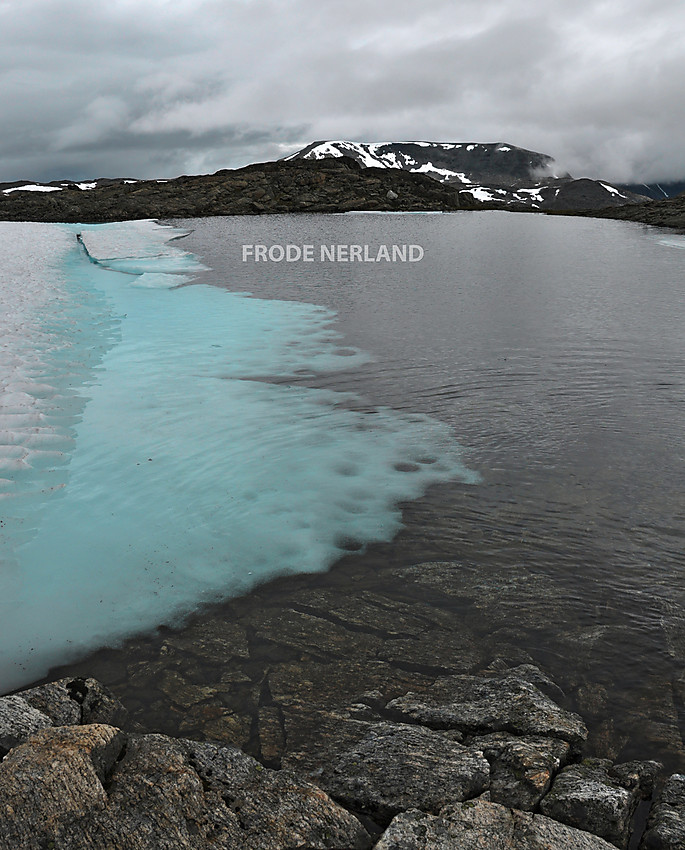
<point x="32" y="187"/>
<point x="612" y="190"/>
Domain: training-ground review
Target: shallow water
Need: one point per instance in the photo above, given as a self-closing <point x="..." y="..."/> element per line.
<point x="547" y="355"/>
<point x="152" y="462"/>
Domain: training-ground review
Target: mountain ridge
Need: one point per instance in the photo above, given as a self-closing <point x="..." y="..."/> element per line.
<point x="496" y="172"/>
<point x="329" y="184"/>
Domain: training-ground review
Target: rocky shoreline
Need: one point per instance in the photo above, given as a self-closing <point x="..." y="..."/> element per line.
<point x="321" y="712"/>
<point x="490" y="761"/>
<point x="669" y="213"/>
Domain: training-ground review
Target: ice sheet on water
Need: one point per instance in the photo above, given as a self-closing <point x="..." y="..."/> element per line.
<point x="38" y="369"/>
<point x="673" y="241"/>
<point x="189" y="473"/>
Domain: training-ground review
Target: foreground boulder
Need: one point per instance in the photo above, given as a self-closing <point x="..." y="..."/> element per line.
<point x="66" y="702"/>
<point x="394" y="767"/>
<point x="95" y="786"/>
<point x="56" y="779"/>
<point x="466" y="763"/>
<point x="666" y="823"/>
<point x="480" y="825"/>
<point x="18" y="721"/>
<point x="600" y="797"/>
<point x="521" y="769"/>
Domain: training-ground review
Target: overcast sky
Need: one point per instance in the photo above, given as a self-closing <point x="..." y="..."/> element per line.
<point x="158" y="88"/>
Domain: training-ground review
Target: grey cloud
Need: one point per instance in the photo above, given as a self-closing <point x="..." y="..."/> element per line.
<point x="156" y="88"/>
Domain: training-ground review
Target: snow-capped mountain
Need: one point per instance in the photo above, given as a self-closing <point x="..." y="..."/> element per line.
<point x="448" y="162"/>
<point x="494" y="172"/>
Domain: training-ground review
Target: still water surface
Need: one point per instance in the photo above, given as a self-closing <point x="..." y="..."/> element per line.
<point x="554" y="349"/>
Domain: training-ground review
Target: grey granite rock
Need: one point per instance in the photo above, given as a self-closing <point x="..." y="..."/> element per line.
<point x="18" y="721"/>
<point x="275" y="809"/>
<point x="666" y="823"/>
<point x="65" y="702"/>
<point x="57" y="700"/>
<point x="98" y="704"/>
<point x="521" y="769"/>
<point x="638" y="776"/>
<point x="93" y="786"/>
<point x="481" y="825"/>
<point x="597" y="797"/>
<point x="531" y="673"/>
<point x="478" y="705"/>
<point x="394" y="767"/>
<point x="57" y="777"/>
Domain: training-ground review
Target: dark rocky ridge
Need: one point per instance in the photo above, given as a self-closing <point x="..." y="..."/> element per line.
<point x="669" y="213"/>
<point x="272" y="187"/>
<point x="656" y="191"/>
<point x="585" y="194"/>
<point x="325" y="185"/>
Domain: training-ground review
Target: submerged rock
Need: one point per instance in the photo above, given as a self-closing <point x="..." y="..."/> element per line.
<point x="316" y="635"/>
<point x="477" y="705"/>
<point x="216" y="641"/>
